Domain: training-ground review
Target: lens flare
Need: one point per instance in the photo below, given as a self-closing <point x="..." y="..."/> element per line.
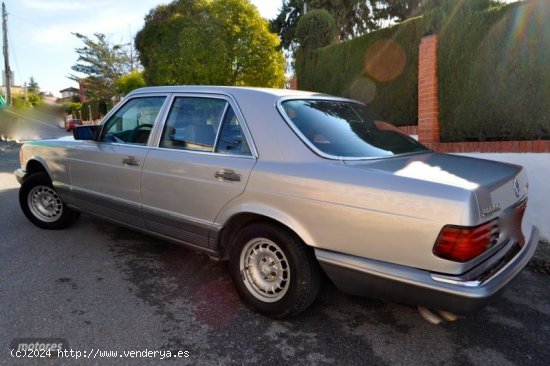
<point x="529" y="21"/>
<point x="363" y="89"/>
<point x="385" y="60"/>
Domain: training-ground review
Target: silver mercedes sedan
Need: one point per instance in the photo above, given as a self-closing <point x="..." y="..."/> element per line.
<point x="286" y="185"/>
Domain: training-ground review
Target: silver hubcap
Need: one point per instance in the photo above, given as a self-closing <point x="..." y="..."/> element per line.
<point x="265" y="270"/>
<point x="45" y="204"/>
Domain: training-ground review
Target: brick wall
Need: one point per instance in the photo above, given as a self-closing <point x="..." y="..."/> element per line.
<point x="535" y="146"/>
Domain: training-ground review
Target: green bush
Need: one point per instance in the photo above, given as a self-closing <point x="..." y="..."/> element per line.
<point x="316" y="29"/>
<point x="34" y="98"/>
<point x="72" y="108"/>
<point x="19" y="101"/>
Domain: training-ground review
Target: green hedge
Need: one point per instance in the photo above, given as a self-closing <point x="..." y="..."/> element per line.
<point x="494" y="73"/>
<point x="494" y="81"/>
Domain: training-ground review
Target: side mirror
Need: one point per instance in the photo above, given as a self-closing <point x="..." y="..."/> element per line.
<point x="88" y="132"/>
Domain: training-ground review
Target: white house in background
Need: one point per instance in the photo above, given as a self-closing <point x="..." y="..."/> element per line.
<point x="68" y="93"/>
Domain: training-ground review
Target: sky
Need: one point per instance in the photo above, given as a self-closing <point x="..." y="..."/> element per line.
<point x="41" y="43"/>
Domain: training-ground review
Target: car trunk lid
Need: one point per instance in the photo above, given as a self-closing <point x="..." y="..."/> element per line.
<point x="500" y="190"/>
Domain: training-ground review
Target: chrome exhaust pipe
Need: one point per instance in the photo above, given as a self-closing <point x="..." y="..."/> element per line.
<point x="429" y="316"/>
<point x="448" y="316"/>
<point x="438" y="318"/>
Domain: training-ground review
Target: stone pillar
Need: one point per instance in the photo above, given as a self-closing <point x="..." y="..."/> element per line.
<point x="428" y="99"/>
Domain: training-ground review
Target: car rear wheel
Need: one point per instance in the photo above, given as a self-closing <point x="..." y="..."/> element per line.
<point x="273" y="270"/>
<point x="42" y="204"/>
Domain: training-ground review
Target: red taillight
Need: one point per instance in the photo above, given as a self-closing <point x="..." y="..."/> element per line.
<point x="462" y="243"/>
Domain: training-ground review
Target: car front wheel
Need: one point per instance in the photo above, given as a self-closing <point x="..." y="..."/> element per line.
<point x="42" y="204"/>
<point x="273" y="270"/>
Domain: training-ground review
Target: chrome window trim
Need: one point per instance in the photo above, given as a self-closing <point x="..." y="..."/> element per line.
<point x="209" y="153"/>
<point x="279" y="104"/>
<point x="222" y="118"/>
<point x="156" y="133"/>
<point x="126" y="145"/>
<point x="224" y="96"/>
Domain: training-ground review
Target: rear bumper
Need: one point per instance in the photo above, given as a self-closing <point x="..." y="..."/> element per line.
<point x="460" y="294"/>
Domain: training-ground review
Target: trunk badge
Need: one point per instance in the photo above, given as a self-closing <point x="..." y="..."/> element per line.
<point x="516" y="188"/>
<point x="491" y="209"/>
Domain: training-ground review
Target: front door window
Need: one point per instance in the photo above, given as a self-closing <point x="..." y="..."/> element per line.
<point x="132" y="124"/>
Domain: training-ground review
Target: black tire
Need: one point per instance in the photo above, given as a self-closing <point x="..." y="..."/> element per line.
<point x="49" y="211"/>
<point x="296" y="273"/>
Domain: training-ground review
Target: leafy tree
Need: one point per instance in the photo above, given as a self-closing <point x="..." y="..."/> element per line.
<point x="33" y="86"/>
<point x="103" y="64"/>
<point x="128" y="82"/>
<point x="72" y="107"/>
<point x="352" y="17"/>
<point x="399" y="10"/>
<point x="286" y="22"/>
<point x="224" y="42"/>
<point x="316" y="29"/>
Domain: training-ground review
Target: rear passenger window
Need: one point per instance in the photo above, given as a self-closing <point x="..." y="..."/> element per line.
<point x="192" y="124"/>
<point x="232" y="140"/>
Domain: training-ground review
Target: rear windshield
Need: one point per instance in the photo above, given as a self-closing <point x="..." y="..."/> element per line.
<point x="346" y="130"/>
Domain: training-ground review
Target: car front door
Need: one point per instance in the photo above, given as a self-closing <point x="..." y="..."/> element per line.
<point x="105" y="174"/>
<point x="203" y="160"/>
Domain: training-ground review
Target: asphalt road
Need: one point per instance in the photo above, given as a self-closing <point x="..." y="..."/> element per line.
<point x="99" y="286"/>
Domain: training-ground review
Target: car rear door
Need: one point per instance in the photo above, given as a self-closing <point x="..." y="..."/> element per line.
<point x="203" y="160"/>
<point x="105" y="174"/>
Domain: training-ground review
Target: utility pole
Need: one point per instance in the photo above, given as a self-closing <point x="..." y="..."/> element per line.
<point x="6" y="54"/>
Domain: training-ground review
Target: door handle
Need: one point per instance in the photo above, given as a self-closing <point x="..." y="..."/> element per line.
<point x="130" y="160"/>
<point x="228" y="174"/>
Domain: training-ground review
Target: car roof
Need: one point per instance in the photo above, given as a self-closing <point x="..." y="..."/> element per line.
<point x="231" y="90"/>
